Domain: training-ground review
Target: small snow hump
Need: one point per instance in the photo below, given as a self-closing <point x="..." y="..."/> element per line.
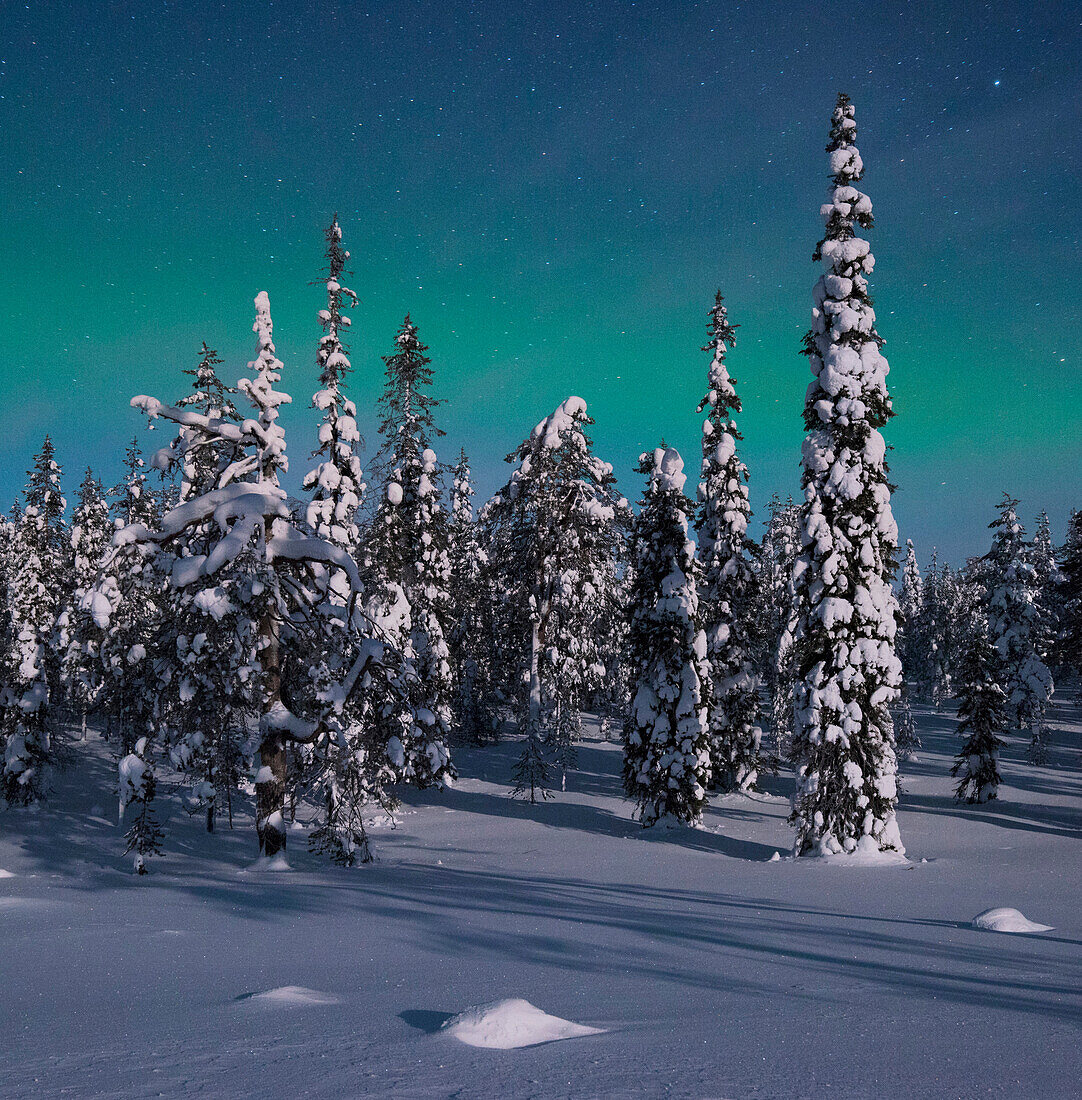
<point x="505" y="1025"/>
<point x="289" y="996"/>
<point x="1005" y="919"/>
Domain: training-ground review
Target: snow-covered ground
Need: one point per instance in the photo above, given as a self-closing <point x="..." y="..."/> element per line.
<point x="711" y="970"/>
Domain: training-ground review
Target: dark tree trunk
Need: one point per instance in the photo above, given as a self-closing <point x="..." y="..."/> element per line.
<point x="270" y="794"/>
<point x="270" y="788"/>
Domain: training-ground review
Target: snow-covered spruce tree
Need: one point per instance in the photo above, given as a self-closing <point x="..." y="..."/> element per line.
<point x="407" y="550"/>
<point x="470" y="637"/>
<point x="929" y="647"/>
<point x="38" y="591"/>
<point x="726" y="578"/>
<point x="777" y="557"/>
<point x="551" y="530"/>
<point x="666" y="742"/>
<point x="1014" y="622"/>
<point x="910" y="646"/>
<point x="982" y="714"/>
<point x="847" y="671"/>
<point x="91" y="532"/>
<point x="275" y="586"/>
<point x="910" y="605"/>
<point x="1069" y="640"/>
<point x="9" y="526"/>
<point x="335" y="481"/>
<point x="132" y="498"/>
<point x="346" y="767"/>
<point x="203" y="460"/>
<point x="126" y="605"/>
<point x="1047" y="576"/>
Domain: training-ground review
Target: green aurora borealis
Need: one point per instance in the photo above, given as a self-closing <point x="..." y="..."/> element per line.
<point x="553" y="192"/>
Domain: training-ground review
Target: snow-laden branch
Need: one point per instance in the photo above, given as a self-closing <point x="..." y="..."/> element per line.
<point x="287" y="542"/>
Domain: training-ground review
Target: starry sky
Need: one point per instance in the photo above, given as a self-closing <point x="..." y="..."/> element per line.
<point x="553" y="190"/>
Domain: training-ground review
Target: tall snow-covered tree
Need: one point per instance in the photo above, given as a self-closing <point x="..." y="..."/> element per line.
<point x="726" y="577"/>
<point x="470" y="637"/>
<point x="408" y="550"/>
<point x="930" y="646"/>
<point x="552" y="531"/>
<point x="777" y="609"/>
<point x="38" y="589"/>
<point x="910" y="605"/>
<point x="9" y="526"/>
<point x="848" y="674"/>
<point x="91" y="532"/>
<point x="666" y="741"/>
<point x="274" y="563"/>
<point x="1014" y="621"/>
<point x="335" y="481"/>
<point x="1069" y="640"/>
<point x="1047" y="576"/>
<point x="910" y="652"/>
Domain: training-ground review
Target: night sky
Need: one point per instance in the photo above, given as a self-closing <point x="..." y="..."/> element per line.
<point x="553" y="191"/>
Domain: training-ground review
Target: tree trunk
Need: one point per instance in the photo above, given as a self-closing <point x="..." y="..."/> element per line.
<point x="270" y="794"/>
<point x="535" y="676"/>
<point x="270" y="787"/>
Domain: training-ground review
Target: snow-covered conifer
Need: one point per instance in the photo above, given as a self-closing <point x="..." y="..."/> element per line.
<point x="470" y="637"/>
<point x="982" y="714"/>
<point x="335" y="481"/>
<point x="1014" y="622"/>
<point x="931" y="651"/>
<point x="777" y="610"/>
<point x="38" y="590"/>
<point x="551" y="533"/>
<point x="847" y="671"/>
<point x="408" y="553"/>
<point x="91" y="532"/>
<point x="666" y="742"/>
<point x="133" y="497"/>
<point x="9" y="527"/>
<point x="726" y="583"/>
<point x="912" y="594"/>
<point x="1069" y="641"/>
<point x="273" y="564"/>
<point x="1047" y="577"/>
<point x="138" y="784"/>
<point x="910" y="652"/>
<point x="204" y="460"/>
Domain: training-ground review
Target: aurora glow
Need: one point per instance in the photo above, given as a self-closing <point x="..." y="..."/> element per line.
<point x="553" y="192"/>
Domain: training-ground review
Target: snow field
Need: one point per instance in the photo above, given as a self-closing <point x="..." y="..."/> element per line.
<point x="713" y="971"/>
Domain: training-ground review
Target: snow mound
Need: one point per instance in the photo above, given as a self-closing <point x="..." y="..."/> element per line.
<point x="1005" y="919"/>
<point x="504" y="1025"/>
<point x="867" y="857"/>
<point x="290" y="996"/>
<point x="274" y="863"/>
